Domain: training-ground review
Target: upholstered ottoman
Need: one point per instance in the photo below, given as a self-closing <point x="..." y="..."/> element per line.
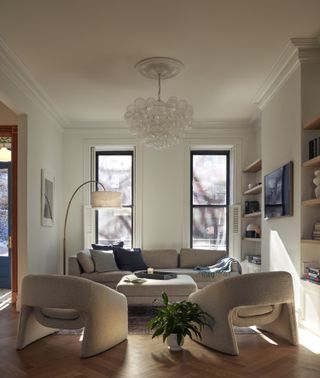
<point x="149" y="292"/>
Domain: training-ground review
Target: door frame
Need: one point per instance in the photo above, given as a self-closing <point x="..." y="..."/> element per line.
<point x="12" y="131"/>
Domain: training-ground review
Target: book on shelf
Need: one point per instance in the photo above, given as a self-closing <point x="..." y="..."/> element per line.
<point x="312" y="278"/>
<point x="313" y="275"/>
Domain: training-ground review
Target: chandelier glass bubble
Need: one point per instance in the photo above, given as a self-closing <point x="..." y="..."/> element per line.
<point x="157" y="123"/>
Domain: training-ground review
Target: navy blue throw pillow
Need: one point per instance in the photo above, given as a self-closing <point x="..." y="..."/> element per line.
<point x="127" y="259"/>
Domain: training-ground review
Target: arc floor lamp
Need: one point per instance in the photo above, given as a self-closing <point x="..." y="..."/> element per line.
<point x="101" y="198"/>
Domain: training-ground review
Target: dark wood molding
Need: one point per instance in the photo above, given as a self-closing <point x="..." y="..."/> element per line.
<point x="12" y="131"/>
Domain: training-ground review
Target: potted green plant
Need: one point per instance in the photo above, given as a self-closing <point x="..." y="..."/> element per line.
<point x="174" y="321"/>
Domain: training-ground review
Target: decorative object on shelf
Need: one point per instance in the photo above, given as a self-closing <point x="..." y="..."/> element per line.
<point x="253" y="231"/>
<point x="47" y="198"/>
<point x="251" y="207"/>
<point x="98" y="199"/>
<point x="5" y="149"/>
<point x="316" y="231"/>
<point x="254" y="259"/>
<point x="178" y="319"/>
<point x="316" y="182"/>
<point x="157" y="123"/>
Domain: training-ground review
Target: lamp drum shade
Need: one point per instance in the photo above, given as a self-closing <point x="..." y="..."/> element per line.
<point x="106" y="199"/>
<point x="5" y="154"/>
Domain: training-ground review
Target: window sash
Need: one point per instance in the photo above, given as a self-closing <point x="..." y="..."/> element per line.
<point x="194" y="206"/>
<point x="130" y="204"/>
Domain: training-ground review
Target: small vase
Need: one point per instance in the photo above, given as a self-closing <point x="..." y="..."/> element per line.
<point x="172" y="343"/>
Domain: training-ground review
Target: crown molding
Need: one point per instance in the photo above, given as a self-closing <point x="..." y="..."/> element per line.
<point x="17" y="73"/>
<point x="117" y="127"/>
<point x="297" y="51"/>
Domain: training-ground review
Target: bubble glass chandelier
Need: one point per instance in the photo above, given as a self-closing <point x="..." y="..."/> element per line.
<point x="157" y="123"/>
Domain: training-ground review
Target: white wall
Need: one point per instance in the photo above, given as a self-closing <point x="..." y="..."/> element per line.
<point x="280" y="135"/>
<point x="39" y="146"/>
<point x="162" y="180"/>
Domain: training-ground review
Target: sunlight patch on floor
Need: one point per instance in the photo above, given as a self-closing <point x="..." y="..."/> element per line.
<point x="309" y="340"/>
<point x="263" y="336"/>
<point x="5" y="298"/>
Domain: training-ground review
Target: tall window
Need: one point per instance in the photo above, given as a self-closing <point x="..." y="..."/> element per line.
<point x="114" y="169"/>
<point x="209" y="199"/>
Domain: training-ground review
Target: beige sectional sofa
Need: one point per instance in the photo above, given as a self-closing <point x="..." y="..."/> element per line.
<point x="169" y="260"/>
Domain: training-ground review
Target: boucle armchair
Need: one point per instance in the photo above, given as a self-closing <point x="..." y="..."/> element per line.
<point x="52" y="302"/>
<point x="262" y="299"/>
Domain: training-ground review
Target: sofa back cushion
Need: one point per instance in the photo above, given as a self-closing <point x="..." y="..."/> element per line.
<point x="160" y="258"/>
<point x="190" y="258"/>
<point x="85" y="261"/>
<point x="104" y="261"/>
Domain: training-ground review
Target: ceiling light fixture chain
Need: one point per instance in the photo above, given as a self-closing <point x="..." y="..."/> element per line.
<point x="157" y="123"/>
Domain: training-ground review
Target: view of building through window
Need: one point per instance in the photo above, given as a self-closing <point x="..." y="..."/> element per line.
<point x="115" y="171"/>
<point x="209" y="199"/>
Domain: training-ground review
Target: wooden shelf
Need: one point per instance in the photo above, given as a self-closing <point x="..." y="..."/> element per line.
<point x="253" y="167"/>
<point x="307" y="282"/>
<point x="253" y="215"/>
<point x="252" y="239"/>
<point x="315" y="162"/>
<point x="310" y="241"/>
<point x="313" y="125"/>
<point x="311" y="202"/>
<point x="255" y="190"/>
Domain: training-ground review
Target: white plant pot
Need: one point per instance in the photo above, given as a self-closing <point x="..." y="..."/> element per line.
<point x="172" y="343"/>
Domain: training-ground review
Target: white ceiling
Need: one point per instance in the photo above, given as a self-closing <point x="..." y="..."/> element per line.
<point x="82" y="52"/>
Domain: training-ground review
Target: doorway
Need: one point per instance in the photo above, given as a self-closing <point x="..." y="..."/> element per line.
<point x="8" y="209"/>
<point x="5" y="223"/>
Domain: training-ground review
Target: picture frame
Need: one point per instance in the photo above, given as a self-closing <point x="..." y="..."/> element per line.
<point x="47" y="198"/>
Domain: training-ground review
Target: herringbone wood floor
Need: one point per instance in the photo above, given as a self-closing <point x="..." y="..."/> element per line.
<point x="140" y="356"/>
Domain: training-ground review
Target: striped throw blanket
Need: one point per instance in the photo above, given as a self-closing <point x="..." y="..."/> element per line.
<point x="223" y="266"/>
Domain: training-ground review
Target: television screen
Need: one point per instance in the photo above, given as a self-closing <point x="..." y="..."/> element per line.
<point x="278" y="192"/>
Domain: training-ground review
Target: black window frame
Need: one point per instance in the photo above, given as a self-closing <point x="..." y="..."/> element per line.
<point x="116" y="152"/>
<point x="192" y="206"/>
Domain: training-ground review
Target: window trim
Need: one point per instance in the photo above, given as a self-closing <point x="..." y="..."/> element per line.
<point x="116" y="152"/>
<point x="192" y="206"/>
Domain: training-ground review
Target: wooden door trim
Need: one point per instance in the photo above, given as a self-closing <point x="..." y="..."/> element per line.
<point x="12" y="131"/>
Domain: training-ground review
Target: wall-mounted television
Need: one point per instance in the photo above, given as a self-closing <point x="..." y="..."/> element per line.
<point x="278" y="192"/>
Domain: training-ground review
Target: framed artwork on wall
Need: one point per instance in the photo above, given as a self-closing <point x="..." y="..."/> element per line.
<point x="47" y="198"/>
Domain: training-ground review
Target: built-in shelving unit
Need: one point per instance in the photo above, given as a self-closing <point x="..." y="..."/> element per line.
<point x="310" y="249"/>
<point x="251" y="246"/>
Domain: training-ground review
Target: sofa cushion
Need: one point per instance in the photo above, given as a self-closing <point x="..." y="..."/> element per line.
<point x="190" y="258"/>
<point x="160" y="258"/>
<point x="104" y="261"/>
<point x="127" y="259"/>
<point x="85" y="261"/>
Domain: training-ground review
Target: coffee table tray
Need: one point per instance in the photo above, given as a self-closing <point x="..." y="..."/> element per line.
<point x="156" y="275"/>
